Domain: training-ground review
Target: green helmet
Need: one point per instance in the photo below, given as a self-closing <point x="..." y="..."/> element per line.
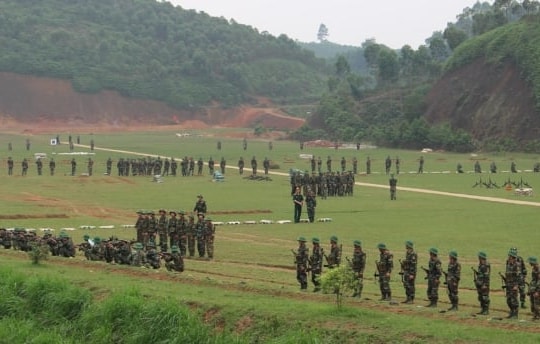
<point x="453" y="254"/>
<point x="434" y="251"/>
<point x="316" y="240"/>
<point x="482" y="255"/>
<point x="301" y="238"/>
<point x="409" y="244"/>
<point x="334" y="238"/>
<point x="381" y="246"/>
<point x="512" y="253"/>
<point x="97" y="240"/>
<point x="533" y="260"/>
<point x="357" y="243"/>
<point x="138" y="246"/>
<point x="86" y="237"/>
<point x="174" y="249"/>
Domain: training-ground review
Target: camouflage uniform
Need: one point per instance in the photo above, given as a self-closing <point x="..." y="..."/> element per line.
<point x="512" y="280"/>
<point x="138" y="258"/>
<point x="481" y="281"/>
<point x="200" y="235"/>
<point x="316" y="263"/>
<point x="358" y="264"/>
<point x="384" y="269"/>
<point x="408" y="272"/>
<point x="151" y="229"/>
<point x="162" y="230"/>
<point x="534" y="288"/>
<point x="209" y="232"/>
<point x="153" y="259"/>
<point x="311" y="203"/>
<point x="190" y="234"/>
<point x="522" y="277"/>
<point x="393" y="187"/>
<point x="334" y="258"/>
<point x="172" y="229"/>
<point x="174" y="260"/>
<point x="301" y="261"/>
<point x="434" y="274"/>
<point x="95" y="252"/>
<point x="453" y="275"/>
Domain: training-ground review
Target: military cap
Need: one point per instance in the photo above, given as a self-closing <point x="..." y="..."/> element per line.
<point x="174" y="249"/>
<point x="512" y="253"/>
<point x="357" y="243"/>
<point x="140" y="212"/>
<point x="381" y="246"/>
<point x="334" y="238"/>
<point x="172" y="212"/>
<point x="482" y="255"/>
<point x="97" y="240"/>
<point x="199" y="196"/>
<point x="453" y="254"/>
<point x="162" y="211"/>
<point x="533" y="260"/>
<point x="86" y="237"/>
<point x="316" y="240"/>
<point x="434" y="251"/>
<point x="514" y="249"/>
<point x="181" y="212"/>
<point x="301" y="238"/>
<point x="138" y="246"/>
<point x="64" y="235"/>
<point x="409" y="243"/>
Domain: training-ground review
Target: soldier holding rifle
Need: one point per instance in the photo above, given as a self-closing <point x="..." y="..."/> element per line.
<point x="384" y="269"/>
<point x="408" y="271"/>
<point x="358" y="264"/>
<point x="481" y="282"/>
<point x="301" y="259"/>
<point x="316" y="264"/>
<point x="511" y="280"/>
<point x="452" y="277"/>
<point x="433" y="276"/>
<point x="534" y="288"/>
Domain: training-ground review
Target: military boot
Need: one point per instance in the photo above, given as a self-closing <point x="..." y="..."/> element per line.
<point x="485" y="311"/>
<point x="513" y="314"/>
<point x="454" y="307"/>
<point x="432" y="304"/>
<point x="523" y="304"/>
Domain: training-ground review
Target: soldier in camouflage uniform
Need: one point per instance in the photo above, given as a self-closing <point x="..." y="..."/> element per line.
<point x="95" y="253"/>
<point x="190" y="235"/>
<point x="140" y="226"/>
<point x="453" y="275"/>
<point x="358" y="264"/>
<point x="138" y="257"/>
<point x="153" y="260"/>
<point x="408" y="271"/>
<point x="200" y="205"/>
<point x="200" y="235"/>
<point x="522" y="277"/>
<point x="172" y="228"/>
<point x="182" y="229"/>
<point x="301" y="259"/>
<point x="434" y="273"/>
<point x="209" y="232"/>
<point x="334" y="257"/>
<point x="316" y="264"/>
<point x="534" y="288"/>
<point x="481" y="282"/>
<point x="162" y="230"/>
<point x="151" y="228"/>
<point x="311" y="203"/>
<point x="384" y="269"/>
<point x="173" y="260"/>
<point x="512" y="280"/>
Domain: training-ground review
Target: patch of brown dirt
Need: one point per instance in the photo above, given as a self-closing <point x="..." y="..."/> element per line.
<point x="33" y="216"/>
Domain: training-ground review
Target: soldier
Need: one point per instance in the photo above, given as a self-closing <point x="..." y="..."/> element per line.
<point x="522" y="276"/>
<point x="190" y="235"/>
<point x="73" y="166"/>
<point x="200" y="205"/>
<point x="182" y="230"/>
<point x="222" y="165"/>
<point x="358" y="265"/>
<point x="477" y="168"/>
<point x="398" y="162"/>
<point x="329" y="164"/>
<point x="254" y="165"/>
<point x="316" y="263"/>
<point x="39" y="165"/>
<point x="481" y="282"/>
<point x="90" y="166"/>
<point x="266" y="165"/>
<point x="241" y="166"/>
<point x="200" y="164"/>
<point x="319" y="165"/>
<point x="166" y="167"/>
<point x="511" y="281"/>
<point x="421" y="165"/>
<point x="92" y="144"/>
<point x="10" y="166"/>
<point x="172" y="228"/>
<point x="384" y="269"/>
<point x="313" y="163"/>
<point x="408" y="271"/>
<point x="368" y="165"/>
<point x="355" y="165"/>
<point x="301" y="260"/>
<point x="200" y="235"/>
<point x="151" y="229"/>
<point x="138" y="258"/>
<point x="513" y="168"/>
<point x="493" y="167"/>
<point x="24" y="166"/>
<point x="211" y="166"/>
<point x="174" y="166"/>
<point x="298" y="201"/>
<point x="334" y="257"/>
<point x="219" y="145"/>
<point x="162" y="230"/>
<point x="270" y="145"/>
<point x="534" y="288"/>
<point x="152" y="257"/>
<point x="387" y="164"/>
<point x="459" y="168"/>
<point x="244" y="144"/>
<point x="95" y="252"/>
<point x="109" y="166"/>
<point x="139" y="226"/>
<point x="52" y="166"/>
<point x="393" y="187"/>
<point x="343" y="164"/>
<point x="311" y="203"/>
<point x="453" y="275"/>
<point x="209" y="234"/>
<point x="173" y="260"/>
<point x="434" y="273"/>
<point x="191" y="166"/>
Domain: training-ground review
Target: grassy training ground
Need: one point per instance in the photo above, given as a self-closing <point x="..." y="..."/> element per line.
<point x="250" y="287"/>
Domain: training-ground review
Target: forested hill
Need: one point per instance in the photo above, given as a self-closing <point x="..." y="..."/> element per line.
<point x="145" y="49"/>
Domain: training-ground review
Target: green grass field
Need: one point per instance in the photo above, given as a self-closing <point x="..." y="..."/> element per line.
<point x="251" y="282"/>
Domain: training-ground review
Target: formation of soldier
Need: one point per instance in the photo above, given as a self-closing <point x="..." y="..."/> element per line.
<point x="324" y="184"/>
<point x="514" y="277"/>
<point x="20" y="239"/>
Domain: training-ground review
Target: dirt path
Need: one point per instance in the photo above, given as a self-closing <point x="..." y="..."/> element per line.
<point x="427" y="191"/>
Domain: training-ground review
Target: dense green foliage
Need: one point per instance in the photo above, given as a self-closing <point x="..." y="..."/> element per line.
<point x="147" y="49"/>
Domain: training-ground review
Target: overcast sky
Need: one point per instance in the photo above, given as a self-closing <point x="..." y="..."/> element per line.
<point x="391" y="22"/>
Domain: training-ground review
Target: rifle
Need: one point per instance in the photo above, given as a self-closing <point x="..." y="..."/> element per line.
<point x="445" y="277"/>
<point x="402" y="272"/>
<point x="426" y="271"/>
<point x="503" y="277"/>
<point x="378" y="272"/>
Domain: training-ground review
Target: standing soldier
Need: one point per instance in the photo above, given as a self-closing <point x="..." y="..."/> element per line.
<point x="200" y="164"/>
<point x="316" y="263"/>
<point x="511" y="280"/>
<point x="313" y="163"/>
<point x="211" y="166"/>
<point x="52" y="166"/>
<point x="266" y="165"/>
<point x="421" y="165"/>
<point x="162" y="230"/>
<point x="241" y="166"/>
<point x="254" y="165"/>
<point x="92" y="144"/>
<point x="90" y="166"/>
<point x="301" y="259"/>
<point x="222" y="165"/>
<point x="200" y="235"/>
<point x="534" y="288"/>
<point x="387" y="164"/>
<point x="172" y="229"/>
<point x="209" y="233"/>
<point x="355" y="165"/>
<point x="393" y="187"/>
<point x="139" y="226"/>
<point x="481" y="282"/>
<point x="329" y="164"/>
<point x="434" y="273"/>
<point x="190" y="235"/>
<point x="408" y="271"/>
<point x="311" y="203"/>
<point x="244" y="144"/>
<point x="368" y="165"/>
<point x="384" y="269"/>
<point x="343" y="164"/>
<point x="73" y="166"/>
<point x="182" y="227"/>
<point x="200" y="205"/>
<point x="522" y="277"/>
<point x="398" y="162"/>
<point x="24" y="166"/>
<point x="39" y="165"/>
<point x="10" y="166"/>
<point x="109" y="166"/>
<point x="358" y="265"/>
<point x="334" y="257"/>
<point x="453" y="275"/>
<point x="319" y="165"/>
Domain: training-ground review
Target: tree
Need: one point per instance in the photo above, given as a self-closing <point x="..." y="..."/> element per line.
<point x="322" y="34"/>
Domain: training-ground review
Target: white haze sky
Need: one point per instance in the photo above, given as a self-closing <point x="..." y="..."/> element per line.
<point x="350" y="22"/>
